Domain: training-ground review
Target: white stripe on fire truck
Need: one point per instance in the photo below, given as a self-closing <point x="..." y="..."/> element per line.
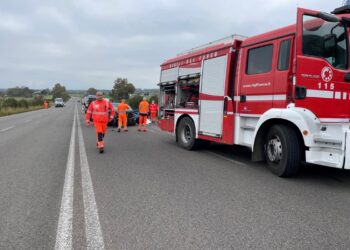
<point x="336" y="120"/>
<point x="319" y="93"/>
<point x="337" y="95"/>
<point x="263" y="98"/>
<point x="186" y="110"/>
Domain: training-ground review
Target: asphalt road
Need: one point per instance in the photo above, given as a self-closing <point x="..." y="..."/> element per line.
<point x="144" y="192"/>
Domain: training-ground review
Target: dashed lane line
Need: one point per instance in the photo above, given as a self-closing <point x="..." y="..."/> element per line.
<point x="65" y="222"/>
<point x="6" y="129"/>
<point x="93" y="230"/>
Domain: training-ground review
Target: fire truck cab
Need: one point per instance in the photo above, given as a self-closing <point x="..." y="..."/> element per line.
<point x="285" y="94"/>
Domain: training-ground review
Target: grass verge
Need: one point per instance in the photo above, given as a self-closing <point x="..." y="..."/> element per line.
<point x="12" y="111"/>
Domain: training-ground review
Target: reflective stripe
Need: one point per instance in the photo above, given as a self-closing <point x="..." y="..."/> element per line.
<point x="99" y="113"/>
<point x="88" y="112"/>
<point x="337" y="95"/>
<point x="319" y="93"/>
<point x="262" y="98"/>
<point x="336" y="120"/>
<point x="122" y="112"/>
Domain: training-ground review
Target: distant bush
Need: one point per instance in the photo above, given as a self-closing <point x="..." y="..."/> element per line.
<point x="37" y="101"/>
<point x="20" y="92"/>
<point x="10" y="103"/>
<point x="22" y="103"/>
<point x="135" y="101"/>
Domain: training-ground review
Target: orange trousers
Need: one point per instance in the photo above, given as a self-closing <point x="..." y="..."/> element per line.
<point x="143" y="120"/>
<point x="100" y="127"/>
<point x="153" y="116"/>
<point x="122" y="120"/>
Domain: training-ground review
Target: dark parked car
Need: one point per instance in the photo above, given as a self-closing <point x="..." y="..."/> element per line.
<point x="130" y="114"/>
<point x="136" y="115"/>
<point x="88" y="99"/>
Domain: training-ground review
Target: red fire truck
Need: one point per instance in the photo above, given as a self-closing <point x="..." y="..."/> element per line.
<point x="285" y="94"/>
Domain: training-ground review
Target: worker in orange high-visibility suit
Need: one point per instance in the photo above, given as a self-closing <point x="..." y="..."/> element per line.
<point x="153" y="109"/>
<point x="143" y="113"/>
<point x="122" y="116"/>
<point x="46" y="104"/>
<point x="101" y="111"/>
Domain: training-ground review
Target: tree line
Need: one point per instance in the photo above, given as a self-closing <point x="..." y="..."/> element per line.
<point x="9" y="99"/>
<point x="122" y="89"/>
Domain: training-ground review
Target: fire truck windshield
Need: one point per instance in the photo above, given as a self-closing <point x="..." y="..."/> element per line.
<point x="325" y="39"/>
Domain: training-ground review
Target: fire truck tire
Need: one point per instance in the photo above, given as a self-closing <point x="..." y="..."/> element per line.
<point x="186" y="134"/>
<point x="282" y="149"/>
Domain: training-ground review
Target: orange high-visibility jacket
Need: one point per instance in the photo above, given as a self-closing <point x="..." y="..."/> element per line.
<point x="144" y="107"/>
<point x="153" y="108"/>
<point x="100" y="111"/>
<point x="122" y="108"/>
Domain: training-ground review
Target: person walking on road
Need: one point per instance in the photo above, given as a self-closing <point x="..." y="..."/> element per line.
<point x="122" y="116"/>
<point x="101" y="111"/>
<point x="46" y="104"/>
<point x="143" y="110"/>
<point x="153" y="109"/>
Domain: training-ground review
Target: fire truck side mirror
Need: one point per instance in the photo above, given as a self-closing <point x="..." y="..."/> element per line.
<point x="300" y="92"/>
<point x="347" y="77"/>
<point x="327" y="17"/>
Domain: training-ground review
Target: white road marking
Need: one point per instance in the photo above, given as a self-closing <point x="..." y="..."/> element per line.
<point x="93" y="230"/>
<point x="65" y="222"/>
<point x="226" y="158"/>
<point x="6" y="129"/>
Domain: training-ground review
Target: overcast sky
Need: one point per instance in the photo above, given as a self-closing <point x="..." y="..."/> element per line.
<point x="89" y="43"/>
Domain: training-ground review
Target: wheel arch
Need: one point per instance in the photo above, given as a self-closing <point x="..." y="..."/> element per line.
<point x="178" y="122"/>
<point x="296" y="118"/>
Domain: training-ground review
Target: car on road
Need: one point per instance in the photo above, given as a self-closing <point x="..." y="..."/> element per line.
<point x="87" y="100"/>
<point x="59" y="102"/>
<point x="129" y="113"/>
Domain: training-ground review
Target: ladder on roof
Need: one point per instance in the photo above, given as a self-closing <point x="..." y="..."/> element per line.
<point x="225" y="40"/>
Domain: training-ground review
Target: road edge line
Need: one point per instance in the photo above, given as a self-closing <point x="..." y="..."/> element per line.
<point x="64" y="236"/>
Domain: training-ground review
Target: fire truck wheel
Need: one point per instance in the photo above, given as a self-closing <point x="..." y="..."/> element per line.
<point x="282" y="149"/>
<point x="186" y="134"/>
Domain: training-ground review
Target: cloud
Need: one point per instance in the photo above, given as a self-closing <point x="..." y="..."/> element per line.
<point x="13" y="23"/>
<point x="52" y="14"/>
